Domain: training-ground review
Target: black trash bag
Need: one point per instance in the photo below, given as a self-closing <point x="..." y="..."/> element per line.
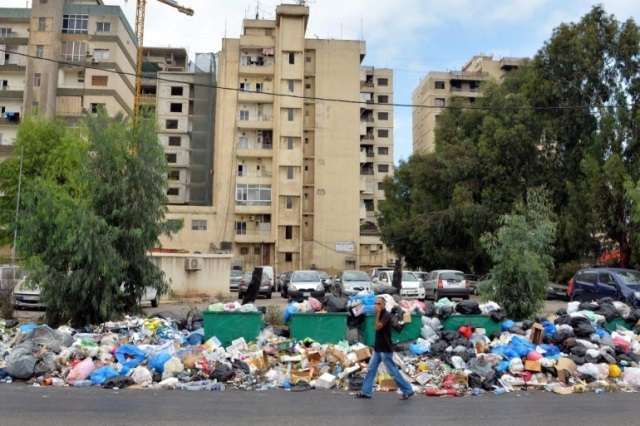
<point x="282" y="332"/>
<point x="633" y="316"/>
<point x="539" y="319"/>
<point x="592" y="359"/>
<point x="584" y="330"/>
<point x="568" y="343"/>
<point x="609" y="311"/>
<point x="622" y="357"/>
<point x="490" y="382"/>
<point x="495" y="335"/>
<point x="499" y="315"/>
<point x="156" y="376"/>
<point x="634" y="357"/>
<point x="527" y="324"/>
<point x="387" y="289"/>
<point x="120" y="382"/>
<point x="578" y="350"/>
<point x="439" y="347"/>
<point x="550" y="370"/>
<point x="429" y="308"/>
<point x="561" y="311"/>
<point x="449" y="335"/>
<point x="636" y="329"/>
<point x="475" y="381"/>
<point x="397" y="298"/>
<point x="222" y="373"/>
<point x="461" y="341"/>
<point x="445" y="312"/>
<point x="577" y="320"/>
<point x="516" y="329"/>
<point x="563" y="320"/>
<point x="355" y="382"/>
<point x="468" y="307"/>
<point x="301" y="386"/>
<point x="332" y="303"/>
<point x="402" y="346"/>
<point x="238" y="364"/>
<point x="561" y="335"/>
<point x="604" y="300"/>
<point x="195" y="321"/>
<point x="588" y="306"/>
<point x="396" y="320"/>
<point x="577" y="359"/>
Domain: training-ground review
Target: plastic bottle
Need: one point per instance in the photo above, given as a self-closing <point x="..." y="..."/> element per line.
<point x="79" y="383"/>
<point x="478" y="392"/>
<point x="600" y="391"/>
<point x="499" y="391"/>
<point x="287" y="384"/>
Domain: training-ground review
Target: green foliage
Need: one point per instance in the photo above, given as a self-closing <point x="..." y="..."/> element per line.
<point x="85" y="228"/>
<point x="566" y="271"/>
<point x="521" y="251"/>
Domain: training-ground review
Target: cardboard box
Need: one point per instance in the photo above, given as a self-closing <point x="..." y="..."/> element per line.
<point x="389" y="384"/>
<point x="565" y="365"/>
<point x="537" y="332"/>
<point x="535" y="366"/>
<point x="260" y="360"/>
<point x="339" y="355"/>
<point x="406" y="317"/>
<point x="314" y="356"/>
<point x="326" y="381"/>
<point x="362" y="354"/>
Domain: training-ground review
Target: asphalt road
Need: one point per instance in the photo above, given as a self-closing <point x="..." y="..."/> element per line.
<point x="27" y="405"/>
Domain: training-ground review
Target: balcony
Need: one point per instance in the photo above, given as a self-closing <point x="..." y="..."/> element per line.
<point x="257" y="174"/>
<point x="12" y="118"/>
<point x="262" y="122"/>
<point x="253" y="96"/>
<point x="261" y="234"/>
<point x="366" y="185"/>
<point x="254" y="207"/>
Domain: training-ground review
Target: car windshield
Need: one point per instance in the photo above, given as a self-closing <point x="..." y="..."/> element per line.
<point x="355" y="276"/>
<point x="247" y="276"/>
<point x="236" y="273"/>
<point x="323" y="275"/>
<point x="629" y="277"/>
<point x="408" y="276"/>
<point x="452" y="276"/>
<point x="305" y="277"/>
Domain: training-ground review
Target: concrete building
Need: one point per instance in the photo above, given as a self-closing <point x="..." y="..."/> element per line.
<point x="434" y="91"/>
<point x="303" y="139"/>
<point x="64" y="59"/>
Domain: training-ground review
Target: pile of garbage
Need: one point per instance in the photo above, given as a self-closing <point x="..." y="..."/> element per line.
<point x="585" y="347"/>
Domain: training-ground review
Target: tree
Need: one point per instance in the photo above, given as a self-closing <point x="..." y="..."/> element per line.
<point x="85" y="238"/>
<point x="521" y="251"/>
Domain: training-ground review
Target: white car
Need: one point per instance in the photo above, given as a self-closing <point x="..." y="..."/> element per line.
<point x="411" y="285"/>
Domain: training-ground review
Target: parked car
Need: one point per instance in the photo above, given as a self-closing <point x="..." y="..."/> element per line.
<point x="473" y="279"/>
<point x="422" y="276"/>
<point x="10" y="276"/>
<point x="280" y="280"/>
<point x="271" y="274"/>
<point x="284" y="289"/>
<point x="447" y="283"/>
<point x="326" y="281"/>
<point x="265" y="285"/>
<point x="481" y="283"/>
<point x="374" y="273"/>
<point x="411" y="285"/>
<point x="305" y="284"/>
<point x="234" y="279"/>
<point x="557" y="292"/>
<point x="351" y="282"/>
<point x="595" y="283"/>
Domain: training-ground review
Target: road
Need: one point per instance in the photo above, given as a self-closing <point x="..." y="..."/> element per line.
<point x="26" y="405"/>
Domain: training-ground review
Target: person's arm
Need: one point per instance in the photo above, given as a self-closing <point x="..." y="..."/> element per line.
<point x="378" y="324"/>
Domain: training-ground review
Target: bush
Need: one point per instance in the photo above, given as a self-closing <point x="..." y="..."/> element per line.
<point x="274" y="315"/>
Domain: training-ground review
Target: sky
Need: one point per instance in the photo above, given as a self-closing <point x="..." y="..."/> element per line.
<point x="412" y="37"/>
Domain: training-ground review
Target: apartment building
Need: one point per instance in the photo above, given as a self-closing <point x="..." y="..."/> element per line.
<point x="434" y="90"/>
<point x="297" y="171"/>
<point x="64" y="59"/>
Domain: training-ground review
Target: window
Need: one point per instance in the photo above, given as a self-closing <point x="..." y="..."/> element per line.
<point x="246" y="87"/>
<point x="95" y="108"/>
<point x="307" y="86"/>
<point x="380" y="186"/>
<point x="368" y="205"/>
<point x="383" y="116"/>
<point x="290" y="85"/>
<point x="198" y="225"/>
<point x="383" y="82"/>
<point x="383" y="150"/>
<point x="288" y="232"/>
<point x="44" y="1"/>
<point x="244" y="115"/>
<point x="253" y="194"/>
<point x="308" y="59"/>
<point x="176" y="90"/>
<point x="241" y="228"/>
<point x="226" y="245"/>
<point x="290" y="172"/>
<point x="171" y="124"/>
<point x="383" y="99"/>
<point x="292" y="58"/>
<point x="174" y="175"/>
<point x="175" y="107"/>
<point x="5" y="32"/>
<point x="243" y="170"/>
<point x="171" y="158"/>
<point x="100" y="53"/>
<point x="439" y="102"/>
<point x="80" y="76"/>
<point x="103" y="27"/>
<point x="439" y="85"/>
<point x="99" y="80"/>
<point x="383" y="168"/>
<point x="42" y="24"/>
<point x="74" y="50"/>
<point x="256" y="250"/>
<point x="288" y="257"/>
<point x="383" y="133"/>
<point x="289" y="143"/>
<point x="244" y="250"/>
<point x="288" y="202"/>
<point x="39" y="51"/>
<point x="243" y="142"/>
<point x="173" y="191"/>
<point x="175" y="141"/>
<point x="290" y="114"/>
<point x="37" y="78"/>
<point x="75" y="24"/>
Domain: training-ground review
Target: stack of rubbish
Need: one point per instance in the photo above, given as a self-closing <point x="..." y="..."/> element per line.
<point x="583" y="347"/>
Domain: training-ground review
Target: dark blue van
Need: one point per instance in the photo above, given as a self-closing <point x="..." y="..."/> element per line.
<point x="595" y="283"/>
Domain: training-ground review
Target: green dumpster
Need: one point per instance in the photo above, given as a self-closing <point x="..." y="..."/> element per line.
<point x="454" y="322"/>
<point x="612" y="325"/>
<point x="328" y="327"/>
<point x="410" y="331"/>
<point x="228" y="326"/>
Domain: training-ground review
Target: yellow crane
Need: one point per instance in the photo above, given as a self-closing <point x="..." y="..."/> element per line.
<point x="140" y="8"/>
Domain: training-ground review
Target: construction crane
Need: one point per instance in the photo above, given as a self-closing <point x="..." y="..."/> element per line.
<point x="140" y="8"/>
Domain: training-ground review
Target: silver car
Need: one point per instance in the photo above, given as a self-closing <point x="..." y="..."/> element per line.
<point x="351" y="282"/>
<point x="446" y="283"/>
<point x="234" y="279"/>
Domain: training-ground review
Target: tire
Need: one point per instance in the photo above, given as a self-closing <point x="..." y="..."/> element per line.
<point x="577" y="299"/>
<point x="465" y="298"/>
<point x="435" y="296"/>
<point x="155" y="302"/>
<point x="268" y="295"/>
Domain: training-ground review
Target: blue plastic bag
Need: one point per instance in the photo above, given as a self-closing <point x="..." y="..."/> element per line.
<point x="130" y="356"/>
<point x="99" y="376"/>
<point x="417" y="349"/>
<point x="157" y="362"/>
<point x="549" y="328"/>
<point x="291" y="309"/>
<point x="522" y="346"/>
<point x="25" y="328"/>
<point x="507" y="324"/>
<point x="551" y="350"/>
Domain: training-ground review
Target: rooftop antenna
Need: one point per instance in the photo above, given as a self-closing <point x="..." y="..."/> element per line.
<point x="257" y="8"/>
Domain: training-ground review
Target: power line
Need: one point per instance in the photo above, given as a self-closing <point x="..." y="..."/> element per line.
<point x="315" y="98"/>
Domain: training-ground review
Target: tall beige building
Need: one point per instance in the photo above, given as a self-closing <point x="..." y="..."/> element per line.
<point x="303" y="140"/>
<point x="65" y="59"/>
<point x="434" y="91"/>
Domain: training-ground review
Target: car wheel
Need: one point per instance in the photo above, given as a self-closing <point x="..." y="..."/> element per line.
<point x="155" y="302"/>
<point x="435" y="296"/>
<point x="269" y="295"/>
<point x="579" y="299"/>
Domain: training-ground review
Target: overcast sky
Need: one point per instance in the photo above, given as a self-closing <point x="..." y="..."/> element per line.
<point x="412" y="37"/>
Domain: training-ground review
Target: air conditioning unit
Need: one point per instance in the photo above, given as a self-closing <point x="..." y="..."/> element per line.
<point x="374" y="247"/>
<point x="391" y="261"/>
<point x="193" y="264"/>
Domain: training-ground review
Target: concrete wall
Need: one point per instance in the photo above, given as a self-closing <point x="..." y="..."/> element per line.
<point x="210" y="281"/>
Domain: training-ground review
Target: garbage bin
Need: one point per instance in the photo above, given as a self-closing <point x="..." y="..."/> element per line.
<point x="328" y="327"/>
<point x="410" y="331"/>
<point x="228" y="326"/>
<point x="454" y="322"/>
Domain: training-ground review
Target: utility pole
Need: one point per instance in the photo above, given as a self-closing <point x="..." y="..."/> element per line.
<point x="15" y="231"/>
